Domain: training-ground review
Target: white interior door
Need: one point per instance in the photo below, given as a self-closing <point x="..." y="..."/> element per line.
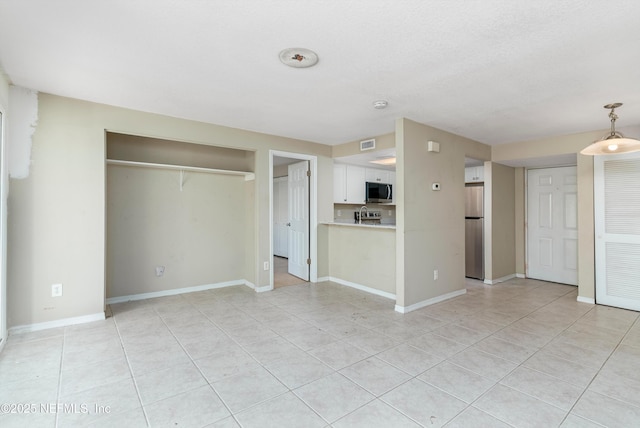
<point x="299" y="220"/>
<point x="552" y="225"/>
<point x="617" y="228"/>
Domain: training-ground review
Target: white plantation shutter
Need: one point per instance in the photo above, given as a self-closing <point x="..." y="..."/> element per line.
<point x="617" y="224"/>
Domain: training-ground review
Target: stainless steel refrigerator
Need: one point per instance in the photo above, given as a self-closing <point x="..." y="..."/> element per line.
<point x="474" y="230"/>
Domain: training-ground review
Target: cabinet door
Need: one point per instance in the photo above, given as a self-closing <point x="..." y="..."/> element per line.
<point x="469" y="173"/>
<point x="480" y="173"/>
<point x="355" y="184"/>
<point x="376" y="175"/>
<point x="339" y="183"/>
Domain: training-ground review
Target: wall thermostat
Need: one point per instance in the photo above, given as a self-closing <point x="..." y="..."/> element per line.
<point x="435" y="186"/>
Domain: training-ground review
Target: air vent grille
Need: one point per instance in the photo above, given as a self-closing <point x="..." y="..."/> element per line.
<point x="367" y="144"/>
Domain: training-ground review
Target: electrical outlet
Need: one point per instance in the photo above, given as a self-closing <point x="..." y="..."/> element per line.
<point x="435" y="274"/>
<point x="56" y="290"/>
<point x="159" y="270"/>
<point x="266" y="266"/>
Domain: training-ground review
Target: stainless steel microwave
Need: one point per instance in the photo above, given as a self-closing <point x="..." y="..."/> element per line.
<point x="380" y="193"/>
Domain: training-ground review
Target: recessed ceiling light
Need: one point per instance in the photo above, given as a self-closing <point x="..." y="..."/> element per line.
<point x="380" y="104"/>
<point x="298" y="57"/>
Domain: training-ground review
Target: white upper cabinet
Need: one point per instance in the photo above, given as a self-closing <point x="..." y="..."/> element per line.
<point x="376" y="175"/>
<point x="348" y="184"/>
<point x="474" y="174"/>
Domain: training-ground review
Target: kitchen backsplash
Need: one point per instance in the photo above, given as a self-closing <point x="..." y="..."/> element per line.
<point x="343" y="213"/>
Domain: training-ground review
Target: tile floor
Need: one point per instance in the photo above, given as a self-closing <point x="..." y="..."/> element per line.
<point x="523" y="353"/>
<point x="281" y="275"/>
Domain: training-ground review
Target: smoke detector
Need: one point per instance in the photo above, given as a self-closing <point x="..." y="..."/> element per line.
<point x="380" y="104"/>
<point x="298" y="57"/>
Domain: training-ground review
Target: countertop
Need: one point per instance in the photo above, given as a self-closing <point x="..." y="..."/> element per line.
<point x="369" y="226"/>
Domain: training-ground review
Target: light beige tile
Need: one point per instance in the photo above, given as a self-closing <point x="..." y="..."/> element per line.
<point x="229" y="422"/>
<point x="606" y="411"/>
<point x="156" y="358"/>
<point x="549" y="389"/>
<point x="333" y="397"/>
<point x="573" y="421"/>
<point x="310" y="337"/>
<point x="503" y="349"/>
<point x="375" y="375"/>
<point x="518" y="409"/>
<point x="133" y="418"/>
<point x="284" y="411"/>
<point x="424" y="403"/>
<point x="273" y="349"/>
<point x="373" y="342"/>
<point x="560" y="368"/>
<point x="589" y="356"/>
<point x="486" y="365"/>
<point x="339" y="355"/>
<point x="460" y="334"/>
<point x="97" y="404"/>
<point x="22" y="420"/>
<point x="161" y="384"/>
<point x="410" y="359"/>
<point x="92" y="375"/>
<point x="298" y="370"/>
<point x="474" y="418"/>
<point x="621" y="388"/>
<point x="521" y="337"/>
<point x="457" y="381"/>
<point x="248" y="388"/>
<point x="226" y="363"/>
<point x="197" y="407"/>
<point x="435" y="344"/>
<point x="375" y="414"/>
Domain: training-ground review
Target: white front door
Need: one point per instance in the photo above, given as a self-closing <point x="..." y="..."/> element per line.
<point x="299" y="220"/>
<point x="617" y="227"/>
<point x="552" y="225"/>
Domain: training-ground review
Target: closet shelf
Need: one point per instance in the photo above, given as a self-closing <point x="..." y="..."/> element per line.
<point x="248" y="176"/>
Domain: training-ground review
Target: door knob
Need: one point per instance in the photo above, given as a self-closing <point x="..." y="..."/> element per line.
<point x="288" y="224"/>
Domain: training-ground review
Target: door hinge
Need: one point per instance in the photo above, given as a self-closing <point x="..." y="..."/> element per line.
<point x="308" y="173"/>
<point x="308" y="261"/>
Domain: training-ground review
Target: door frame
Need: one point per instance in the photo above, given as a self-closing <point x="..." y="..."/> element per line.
<point x="4" y="185"/>
<point x="313" y="211"/>
<point x="526" y="211"/>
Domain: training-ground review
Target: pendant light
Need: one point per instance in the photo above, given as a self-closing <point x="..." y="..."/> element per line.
<point x="613" y="143"/>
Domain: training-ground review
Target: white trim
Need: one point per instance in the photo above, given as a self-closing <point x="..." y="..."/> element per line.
<point x="520" y="275"/>
<point x="248" y="176"/>
<point x="263" y="288"/>
<point x="175" y="291"/>
<point x="57" y="323"/>
<point x="363" y="288"/>
<point x="323" y="279"/>
<point x="429" y="302"/>
<point x="497" y="280"/>
<point x="589" y="300"/>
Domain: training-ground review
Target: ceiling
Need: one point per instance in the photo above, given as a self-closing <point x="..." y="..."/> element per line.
<point x="496" y="71"/>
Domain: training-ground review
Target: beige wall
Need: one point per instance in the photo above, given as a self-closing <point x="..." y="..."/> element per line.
<point x="197" y="234"/>
<point x="57" y="215"/>
<point x="430" y="224"/>
<point x="364" y="256"/>
<point x="499" y="221"/>
<point x="563" y="145"/>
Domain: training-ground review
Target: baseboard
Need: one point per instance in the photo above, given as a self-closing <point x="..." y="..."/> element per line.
<point x="586" y="300"/>
<point x="57" y="323"/>
<point x="497" y="280"/>
<point x="175" y="291"/>
<point x="362" y="288"/>
<point x="521" y="275"/>
<point x="323" y="279"/>
<point x="429" y="302"/>
<point x="263" y="288"/>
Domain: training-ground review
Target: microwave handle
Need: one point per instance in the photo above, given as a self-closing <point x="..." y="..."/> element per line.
<point x="388" y="191"/>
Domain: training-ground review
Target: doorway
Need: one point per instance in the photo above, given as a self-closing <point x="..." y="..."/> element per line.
<point x="293" y="218"/>
<point x="552" y="225"/>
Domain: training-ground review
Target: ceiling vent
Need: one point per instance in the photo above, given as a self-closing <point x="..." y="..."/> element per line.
<point x="367" y="144"/>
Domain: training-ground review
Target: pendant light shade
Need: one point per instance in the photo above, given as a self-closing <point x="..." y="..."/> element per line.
<point x="613" y="143"/>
